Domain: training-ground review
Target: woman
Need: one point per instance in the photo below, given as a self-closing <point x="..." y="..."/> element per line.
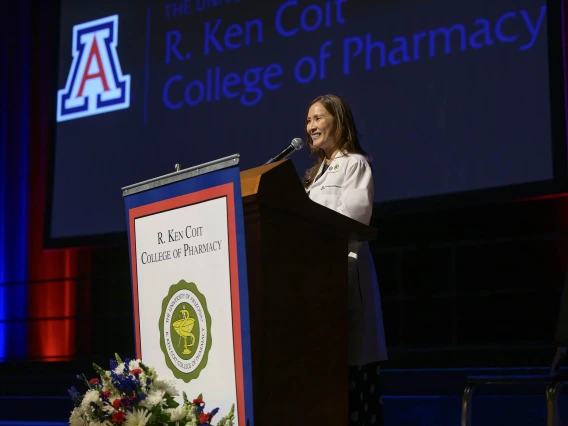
<point x="342" y="180"/>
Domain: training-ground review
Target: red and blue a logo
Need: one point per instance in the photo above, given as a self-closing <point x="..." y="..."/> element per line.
<point x="95" y="83"/>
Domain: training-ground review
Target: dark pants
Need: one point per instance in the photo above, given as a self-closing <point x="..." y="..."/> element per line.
<point x="365" y="397"/>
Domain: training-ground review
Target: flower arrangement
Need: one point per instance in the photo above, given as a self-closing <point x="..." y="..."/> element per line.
<point x="132" y="394"/>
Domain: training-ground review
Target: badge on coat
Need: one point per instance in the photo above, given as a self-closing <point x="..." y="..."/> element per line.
<point x="333" y="168"/>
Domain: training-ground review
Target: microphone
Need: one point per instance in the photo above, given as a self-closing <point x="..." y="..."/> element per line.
<point x="295" y="145"/>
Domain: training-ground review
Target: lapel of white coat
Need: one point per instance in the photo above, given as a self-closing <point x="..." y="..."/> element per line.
<point x="322" y="179"/>
<point x="314" y="183"/>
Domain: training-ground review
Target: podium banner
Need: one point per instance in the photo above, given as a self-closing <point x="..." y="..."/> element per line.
<point x="189" y="283"/>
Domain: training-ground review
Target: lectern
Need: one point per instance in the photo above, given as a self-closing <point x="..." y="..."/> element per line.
<point x="240" y="290"/>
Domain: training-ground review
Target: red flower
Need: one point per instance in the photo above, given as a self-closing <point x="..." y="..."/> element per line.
<point x="205" y="418"/>
<point x="198" y="401"/>
<point x="118" y="417"/>
<point x="136" y="371"/>
<point x="106" y="394"/>
<point x="94" y="381"/>
<point x="116" y="403"/>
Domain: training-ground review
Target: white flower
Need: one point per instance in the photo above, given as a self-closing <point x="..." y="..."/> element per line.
<point x="167" y="384"/>
<point x="77" y="417"/>
<point x="107" y="385"/>
<point x="134" y="364"/>
<point x="119" y="369"/>
<point x="91" y="396"/>
<point x="191" y="411"/>
<point x="137" y="418"/>
<point x="153" y="399"/>
<point x="109" y="409"/>
<point x="176" y="414"/>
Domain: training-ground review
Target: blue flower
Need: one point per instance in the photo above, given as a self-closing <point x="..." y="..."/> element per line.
<point x="113" y="364"/>
<point x="75" y="396"/>
<point x="127" y="384"/>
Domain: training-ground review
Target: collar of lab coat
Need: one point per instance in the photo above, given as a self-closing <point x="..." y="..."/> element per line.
<point x="340" y="154"/>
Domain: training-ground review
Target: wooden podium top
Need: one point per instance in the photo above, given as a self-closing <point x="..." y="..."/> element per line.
<point x="277" y="185"/>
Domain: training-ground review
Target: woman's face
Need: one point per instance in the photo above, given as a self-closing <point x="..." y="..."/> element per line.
<point x="320" y="126"/>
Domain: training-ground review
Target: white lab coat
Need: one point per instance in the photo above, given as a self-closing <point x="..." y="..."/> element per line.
<point x="347" y="187"/>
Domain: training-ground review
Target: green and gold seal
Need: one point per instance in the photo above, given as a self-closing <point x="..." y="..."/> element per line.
<point x="185" y="331"/>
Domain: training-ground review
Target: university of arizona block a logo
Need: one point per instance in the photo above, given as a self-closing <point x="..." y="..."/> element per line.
<point x="95" y="83"/>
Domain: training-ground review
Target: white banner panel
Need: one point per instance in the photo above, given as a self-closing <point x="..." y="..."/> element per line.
<point x="183" y="281"/>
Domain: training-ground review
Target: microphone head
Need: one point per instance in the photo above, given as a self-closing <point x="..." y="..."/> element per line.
<point x="297" y="143"/>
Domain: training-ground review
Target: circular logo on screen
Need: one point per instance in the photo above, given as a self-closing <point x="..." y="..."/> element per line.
<point x="185" y="331"/>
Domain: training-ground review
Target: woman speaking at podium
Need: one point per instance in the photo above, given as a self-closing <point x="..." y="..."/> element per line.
<point x="342" y="180"/>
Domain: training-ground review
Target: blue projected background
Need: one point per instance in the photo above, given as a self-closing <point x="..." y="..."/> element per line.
<point x="449" y="95"/>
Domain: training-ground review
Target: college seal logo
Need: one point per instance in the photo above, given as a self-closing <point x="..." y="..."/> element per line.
<point x="185" y="331"/>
